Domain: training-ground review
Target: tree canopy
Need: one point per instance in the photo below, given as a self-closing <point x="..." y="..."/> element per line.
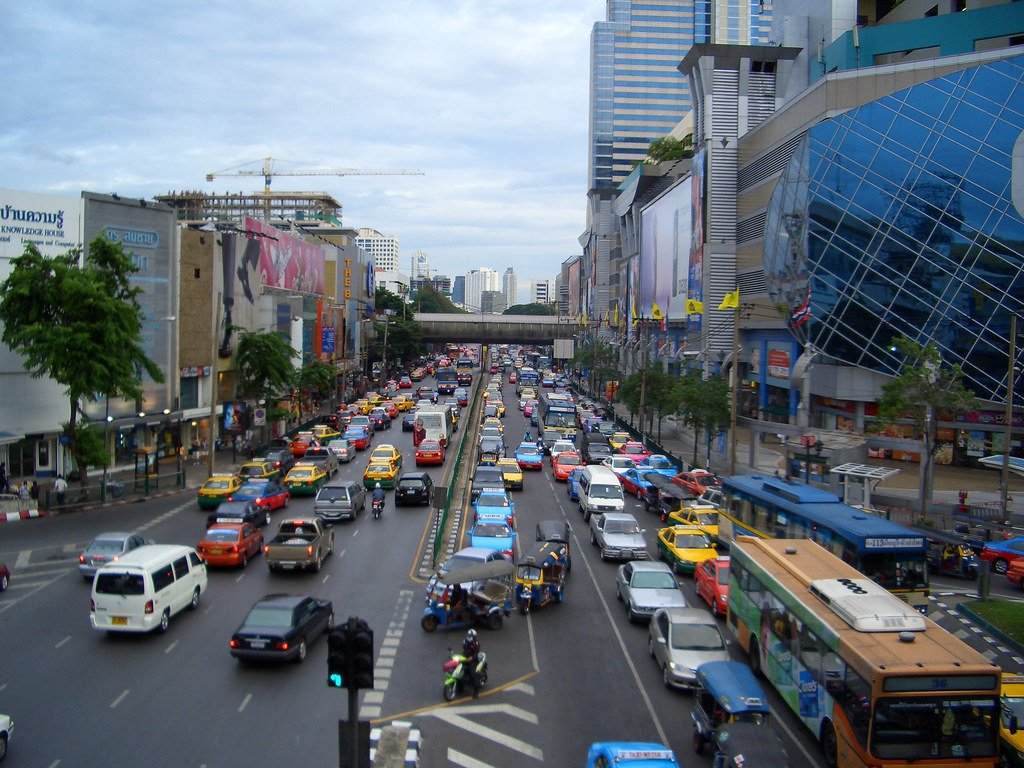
<point x="531" y="309"/>
<point x="79" y="322"/>
<point x="670" y="148"/>
<point x="429" y="299"/>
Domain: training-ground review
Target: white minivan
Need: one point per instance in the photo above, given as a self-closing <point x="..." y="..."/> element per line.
<point x="599" y="491"/>
<point x="142" y="590"/>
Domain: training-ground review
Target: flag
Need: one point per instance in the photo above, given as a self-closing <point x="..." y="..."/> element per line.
<point x="801" y="314"/>
<point x="584" y="319"/>
<point x="657" y="314"/>
<point x="694" y="307"/>
<point x="731" y="300"/>
<point x="635" y="318"/>
<point x="615" y="316"/>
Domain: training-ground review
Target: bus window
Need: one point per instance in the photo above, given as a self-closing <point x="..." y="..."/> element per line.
<point x="855" y="700"/>
<point x="780" y="529"/>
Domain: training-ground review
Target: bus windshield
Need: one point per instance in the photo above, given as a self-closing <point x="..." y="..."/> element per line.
<point x="934" y="727"/>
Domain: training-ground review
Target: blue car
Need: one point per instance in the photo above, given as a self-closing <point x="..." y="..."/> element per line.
<point x="1000" y="554"/>
<point x="661" y="464"/>
<point x="572" y="483"/>
<point x="494" y="533"/>
<point x="494" y="503"/>
<point x="623" y="754"/>
<point x="529" y="456"/>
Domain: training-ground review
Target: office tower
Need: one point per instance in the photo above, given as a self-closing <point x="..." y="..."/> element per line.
<point x="510" y="287"/>
<point x="381" y="249"/>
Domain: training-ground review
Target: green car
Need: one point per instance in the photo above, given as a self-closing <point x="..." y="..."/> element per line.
<point x="305" y="480"/>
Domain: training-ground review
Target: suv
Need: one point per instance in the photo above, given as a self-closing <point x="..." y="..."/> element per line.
<point x="340" y="501"/>
<point x="414" y="488"/>
<point x="595" y="448"/>
<point x="487" y="476"/>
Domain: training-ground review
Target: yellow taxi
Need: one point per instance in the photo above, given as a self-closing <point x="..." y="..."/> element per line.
<point x="1012" y="706"/>
<point x="305" y="479"/>
<point x="528" y="393"/>
<point x="363" y="406"/>
<point x="324" y="433"/>
<point x="492" y="421"/>
<point x="619" y="439"/>
<point x="376" y="398"/>
<point x="704" y="518"/>
<point x="386" y="452"/>
<point x="404" y="403"/>
<point x="511" y="474"/>
<point x="217" y="489"/>
<point x="501" y="408"/>
<point x="259" y="469"/>
<point x="684" y="547"/>
<point x="380" y="471"/>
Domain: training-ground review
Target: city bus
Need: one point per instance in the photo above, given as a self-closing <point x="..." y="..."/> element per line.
<point x="557" y="417"/>
<point x="875" y="682"/>
<point x="447" y="381"/>
<point x="890" y="554"/>
<point x="528" y="378"/>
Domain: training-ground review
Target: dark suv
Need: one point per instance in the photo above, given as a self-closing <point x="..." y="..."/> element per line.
<point x="414" y="488"/>
<point x="595" y="448"/>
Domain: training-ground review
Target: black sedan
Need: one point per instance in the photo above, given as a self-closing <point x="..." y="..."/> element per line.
<point x="281" y="627"/>
<point x="240" y="512"/>
<point x="380" y="419"/>
<point x="408" y="421"/>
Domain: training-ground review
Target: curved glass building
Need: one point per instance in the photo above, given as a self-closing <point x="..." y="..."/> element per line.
<point x="904" y="216"/>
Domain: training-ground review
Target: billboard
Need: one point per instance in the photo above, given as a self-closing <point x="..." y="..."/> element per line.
<point x="665" y="234"/>
<point x="574" y="287"/>
<point x="286" y="261"/>
<point x="695" y="289"/>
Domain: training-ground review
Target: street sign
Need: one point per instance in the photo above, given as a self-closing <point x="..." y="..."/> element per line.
<point x="327" y="341"/>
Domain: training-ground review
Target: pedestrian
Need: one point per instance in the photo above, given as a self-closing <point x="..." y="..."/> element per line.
<point x="60" y="489"/>
<point x="33" y="494"/>
<point x="193" y="451"/>
<point x="5" y="485"/>
<point x="23" y="496"/>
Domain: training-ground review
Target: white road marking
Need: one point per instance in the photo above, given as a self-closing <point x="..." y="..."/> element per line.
<point x="62" y="642"/>
<point x="23" y="559"/>
<point x="455" y="717"/>
<point x="170" y="647"/>
<point x="119" y="699"/>
<point x="465" y="761"/>
<point x="245" y="702"/>
<point x="524" y="687"/>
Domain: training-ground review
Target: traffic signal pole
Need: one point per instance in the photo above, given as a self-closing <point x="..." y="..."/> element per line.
<point x="350" y="666"/>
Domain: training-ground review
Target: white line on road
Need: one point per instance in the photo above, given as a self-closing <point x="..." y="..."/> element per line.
<point x="452" y="717"/>
<point x="245" y="702"/>
<point x="23" y="559"/>
<point x="119" y="699"/>
<point x="65" y="640"/>
<point x="54" y="764"/>
<point x="465" y="761"/>
<point x="170" y="647"/>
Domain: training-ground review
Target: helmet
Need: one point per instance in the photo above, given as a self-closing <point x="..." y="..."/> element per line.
<point x="471" y="636"/>
<point x="377" y="486"/>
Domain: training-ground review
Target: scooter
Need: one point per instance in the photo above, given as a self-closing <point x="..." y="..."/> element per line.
<point x="454" y="671"/>
<point x="378" y="507"/>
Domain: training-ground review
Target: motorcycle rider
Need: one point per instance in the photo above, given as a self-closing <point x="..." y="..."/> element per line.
<point x="378" y="494"/>
<point x="471" y="654"/>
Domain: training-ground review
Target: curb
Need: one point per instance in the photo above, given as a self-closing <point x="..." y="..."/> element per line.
<point x="994" y="630"/>
<point x="28" y="514"/>
<point x="32" y="514"/>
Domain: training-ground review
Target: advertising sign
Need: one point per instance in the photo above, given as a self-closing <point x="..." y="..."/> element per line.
<point x="50" y="222"/>
<point x="695" y="289"/>
<point x="665" y="252"/>
<point x="286" y="261"/>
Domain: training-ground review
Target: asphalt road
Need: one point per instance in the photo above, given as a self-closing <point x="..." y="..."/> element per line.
<point x="561" y="678"/>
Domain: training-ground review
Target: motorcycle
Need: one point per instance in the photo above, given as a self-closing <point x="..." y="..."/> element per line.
<point x="454" y="671"/>
<point x="378" y="507"/>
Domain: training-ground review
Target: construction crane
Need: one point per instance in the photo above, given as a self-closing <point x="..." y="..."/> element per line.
<point x="268" y="172"/>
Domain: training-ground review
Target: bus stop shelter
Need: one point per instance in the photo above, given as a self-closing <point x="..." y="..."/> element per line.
<point x="859" y="480"/>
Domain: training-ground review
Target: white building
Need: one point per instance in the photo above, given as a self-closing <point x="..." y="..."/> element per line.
<point x="478" y="281"/>
<point x="394" y="281"/>
<point x="381" y="249"/>
<point x="510" y="287"/>
<point x="541" y="292"/>
<point x="420" y="266"/>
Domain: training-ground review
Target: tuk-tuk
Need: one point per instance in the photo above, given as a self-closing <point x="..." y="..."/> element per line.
<point x="746" y="745"/>
<point x="950" y="554"/>
<point x="664" y="497"/>
<point x="540" y="575"/>
<point x="558" y="531"/>
<point x="476" y="595"/>
<point x="726" y="693"/>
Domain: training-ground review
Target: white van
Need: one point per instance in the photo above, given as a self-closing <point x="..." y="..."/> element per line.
<point x="146" y="587"/>
<point x="436" y="420"/>
<point x="599" y="491"/>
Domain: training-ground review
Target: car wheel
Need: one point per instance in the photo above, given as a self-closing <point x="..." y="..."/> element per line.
<point x="286" y="498"/>
<point x="317" y="564"/>
<point x="618" y="593"/>
<point x="429" y="623"/>
<point x="245" y="559"/>
<point x="3" y="747"/>
<point x="165" y="618"/>
<point x="698" y="742"/>
<point x="1000" y="565"/>
<point x="4" y="581"/>
<point x="194" y="602"/>
<point x="266" y="519"/>
<point x="639" y="495"/>
<point x="664" y="676"/>
<point x="301" y="655"/>
<point x="593" y="538"/>
<point x="631" y="614"/>
<point x="754" y="659"/>
<point x="829" y="745"/>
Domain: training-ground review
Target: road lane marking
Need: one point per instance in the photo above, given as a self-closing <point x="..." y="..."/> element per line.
<point x="245" y="702"/>
<point x="465" y="761"/>
<point x="23" y="559"/>
<point x="119" y="699"/>
<point x="455" y="718"/>
<point x="170" y="647"/>
<point x="62" y="642"/>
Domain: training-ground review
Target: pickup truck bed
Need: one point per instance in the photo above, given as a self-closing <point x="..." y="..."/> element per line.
<point x="299" y="545"/>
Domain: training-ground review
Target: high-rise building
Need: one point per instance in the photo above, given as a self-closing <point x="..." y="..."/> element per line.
<point x="459" y="289"/>
<point x="420" y="266"/>
<point x="510" y="287"/>
<point x="541" y="292"/>
<point x="492" y="301"/>
<point x="381" y="249"/>
<point x="478" y="281"/>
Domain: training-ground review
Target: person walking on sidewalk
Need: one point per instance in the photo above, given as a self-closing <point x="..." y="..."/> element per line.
<point x="33" y="494"/>
<point x="60" y="489"/>
<point x="23" y="496"/>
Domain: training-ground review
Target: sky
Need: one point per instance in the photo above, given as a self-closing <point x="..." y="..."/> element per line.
<point x="488" y="97"/>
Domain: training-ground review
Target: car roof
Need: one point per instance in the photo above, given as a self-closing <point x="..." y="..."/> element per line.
<point x="619" y="516"/>
<point x="651" y="566"/>
<point x="280" y="600"/>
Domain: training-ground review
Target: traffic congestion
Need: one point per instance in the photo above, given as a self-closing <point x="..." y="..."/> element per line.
<point x="591" y="573"/>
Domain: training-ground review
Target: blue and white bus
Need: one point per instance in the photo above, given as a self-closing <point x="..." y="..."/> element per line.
<point x="888" y="553"/>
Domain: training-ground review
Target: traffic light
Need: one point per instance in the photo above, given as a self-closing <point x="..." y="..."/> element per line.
<point x="361" y="654"/>
<point x="339" y="658"/>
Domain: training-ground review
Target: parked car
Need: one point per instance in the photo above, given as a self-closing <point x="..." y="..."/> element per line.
<point x="105" y="548"/>
<point x="645" y="588"/>
<point x="681" y="639"/>
<point x="281" y="628"/>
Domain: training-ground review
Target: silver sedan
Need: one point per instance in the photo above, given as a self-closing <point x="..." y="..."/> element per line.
<point x="106" y="548"/>
<point x="680" y="640"/>
<point x="645" y="587"/>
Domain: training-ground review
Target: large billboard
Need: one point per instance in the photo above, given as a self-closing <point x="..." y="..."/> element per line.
<point x="574" y="287"/>
<point x="286" y="261"/>
<point x="695" y="289"/>
<point x="665" y="234"/>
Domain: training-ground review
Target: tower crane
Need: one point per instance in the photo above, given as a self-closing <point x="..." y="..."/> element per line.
<point x="268" y="172"/>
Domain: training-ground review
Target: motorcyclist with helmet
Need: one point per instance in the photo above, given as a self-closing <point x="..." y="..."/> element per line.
<point x="471" y="654"/>
<point x="378" y="493"/>
<point x="378" y="500"/>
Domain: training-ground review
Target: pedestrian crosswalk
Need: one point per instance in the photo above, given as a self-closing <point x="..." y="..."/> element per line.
<point x="499" y="724"/>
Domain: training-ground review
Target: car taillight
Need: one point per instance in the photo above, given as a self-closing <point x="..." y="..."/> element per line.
<point x="309" y="550"/>
<point x="149" y="606"/>
<point x="266" y="549"/>
<point x="235" y="643"/>
<point x="234" y="548"/>
<point x="81" y="558"/>
<point x="281" y="645"/>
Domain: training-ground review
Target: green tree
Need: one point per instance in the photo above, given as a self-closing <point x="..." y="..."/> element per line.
<point x="531" y="309"/>
<point x="600" y="359"/>
<point x="265" y="370"/>
<point x="428" y="299"/>
<point x="670" y="148"/>
<point x="78" y="322"/>
<point x="317" y="379"/>
<point x="924" y="392"/>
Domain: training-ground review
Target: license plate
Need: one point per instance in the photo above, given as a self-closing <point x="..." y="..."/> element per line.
<point x="258" y="643"/>
<point x="119" y="621"/>
<point x="215" y="551"/>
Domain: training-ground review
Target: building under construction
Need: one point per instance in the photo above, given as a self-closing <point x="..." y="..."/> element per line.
<point x="279" y="209"/>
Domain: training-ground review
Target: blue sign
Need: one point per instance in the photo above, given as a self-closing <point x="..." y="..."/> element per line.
<point x="327" y="340"/>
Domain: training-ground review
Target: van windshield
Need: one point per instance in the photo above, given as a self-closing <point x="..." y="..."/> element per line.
<point x="606" y="491"/>
<point x="119" y="584"/>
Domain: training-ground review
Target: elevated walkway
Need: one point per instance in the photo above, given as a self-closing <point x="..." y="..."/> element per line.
<point x="496" y="329"/>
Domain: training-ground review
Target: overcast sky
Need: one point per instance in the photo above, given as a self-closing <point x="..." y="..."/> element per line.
<point x="488" y="97"/>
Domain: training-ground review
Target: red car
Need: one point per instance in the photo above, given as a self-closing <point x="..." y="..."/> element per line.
<point x="512" y="378"/>
<point x="1014" y="574"/>
<point x="5" y="577"/>
<point x="711" y="580"/>
<point x="263" y="493"/>
<point x="697" y="481"/>
<point x="230" y="544"/>
<point x="405" y="383"/>
<point x="300" y="443"/>
<point x="429" y="452"/>
<point x="635" y="450"/>
<point x="564" y="463"/>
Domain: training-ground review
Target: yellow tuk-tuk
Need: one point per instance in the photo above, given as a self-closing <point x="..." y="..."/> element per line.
<point x="540" y="575"/>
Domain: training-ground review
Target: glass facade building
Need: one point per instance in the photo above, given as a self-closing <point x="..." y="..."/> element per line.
<point x="905" y="216"/>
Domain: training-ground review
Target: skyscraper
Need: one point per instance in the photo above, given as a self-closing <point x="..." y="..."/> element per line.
<point x="478" y="281"/>
<point x="510" y="287"/>
<point x="380" y="248"/>
<point x="459" y="289"/>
